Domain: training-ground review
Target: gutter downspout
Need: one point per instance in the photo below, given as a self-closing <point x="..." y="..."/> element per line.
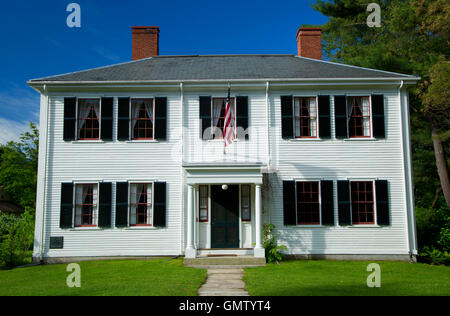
<point x="183" y="182"/>
<point x="409" y="189"/>
<point x="268" y="127"/>
<point x="43" y="141"/>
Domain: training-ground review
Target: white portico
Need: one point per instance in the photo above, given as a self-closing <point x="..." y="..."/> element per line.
<point x="224" y="208"/>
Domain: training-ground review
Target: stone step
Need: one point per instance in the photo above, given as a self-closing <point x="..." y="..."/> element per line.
<point x="230" y="284"/>
<point x="239" y="261"/>
<point x="224" y="271"/>
<point x="225" y="293"/>
<point x="221" y="277"/>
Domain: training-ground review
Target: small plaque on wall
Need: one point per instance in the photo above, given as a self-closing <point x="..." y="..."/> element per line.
<point x="56" y="242"/>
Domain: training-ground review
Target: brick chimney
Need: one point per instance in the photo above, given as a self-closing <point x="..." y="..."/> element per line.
<point x="309" y="42"/>
<point x="145" y="41"/>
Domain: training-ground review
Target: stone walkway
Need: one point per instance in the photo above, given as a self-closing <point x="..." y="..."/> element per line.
<point x="224" y="282"/>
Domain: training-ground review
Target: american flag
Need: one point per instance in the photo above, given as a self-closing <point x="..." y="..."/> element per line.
<point x="228" y="128"/>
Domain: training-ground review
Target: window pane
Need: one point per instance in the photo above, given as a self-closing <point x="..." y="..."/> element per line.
<point x="203" y="204"/>
<point x="359" y="116"/>
<point x="142" y="118"/>
<point x="218" y="115"/>
<point x="305" y="117"/>
<point x="362" y="202"/>
<point x="85" y="204"/>
<point x="140" y="204"/>
<point x="245" y="203"/>
<point x="88" y="119"/>
<point x="308" y="205"/>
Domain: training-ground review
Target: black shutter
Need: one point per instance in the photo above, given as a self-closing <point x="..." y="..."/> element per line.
<point x="161" y="118"/>
<point x="287" y="117"/>
<point x="324" y="117"/>
<point x="242" y="115"/>
<point x="378" y="116"/>
<point x="345" y="217"/>
<point x="205" y="117"/>
<point x="159" y="212"/>
<point x="107" y="119"/>
<point x="66" y="211"/>
<point x="381" y="188"/>
<point x="340" y="116"/>
<point x="121" y="204"/>
<point x="290" y="217"/>
<point x="123" y="130"/>
<point x="326" y="195"/>
<point x="104" y="212"/>
<point x="70" y="109"/>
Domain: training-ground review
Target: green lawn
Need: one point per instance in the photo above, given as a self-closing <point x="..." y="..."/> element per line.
<point x="303" y="277"/>
<point x="124" y="277"/>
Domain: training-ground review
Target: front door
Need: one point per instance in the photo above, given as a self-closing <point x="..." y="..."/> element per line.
<point x="225" y="217"/>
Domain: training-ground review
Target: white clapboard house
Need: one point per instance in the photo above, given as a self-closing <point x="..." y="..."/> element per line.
<point x="132" y="160"/>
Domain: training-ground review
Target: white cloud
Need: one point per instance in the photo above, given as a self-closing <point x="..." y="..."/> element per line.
<point x="11" y="130"/>
<point x="19" y="105"/>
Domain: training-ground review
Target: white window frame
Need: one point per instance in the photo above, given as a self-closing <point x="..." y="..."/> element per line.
<point x="320" y="203"/>
<point x="317" y="137"/>
<point x="80" y="140"/>
<point x="74" y="205"/>
<point x="148" y="226"/>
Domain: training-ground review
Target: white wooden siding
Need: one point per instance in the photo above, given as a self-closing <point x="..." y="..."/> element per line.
<point x="340" y="160"/>
<point x="162" y="161"/>
<point x="113" y="162"/>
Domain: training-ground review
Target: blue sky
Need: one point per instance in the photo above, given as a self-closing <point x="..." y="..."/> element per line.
<point x="37" y="42"/>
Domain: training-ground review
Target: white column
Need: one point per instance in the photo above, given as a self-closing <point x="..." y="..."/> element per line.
<point x="259" y="251"/>
<point x="190" y="251"/>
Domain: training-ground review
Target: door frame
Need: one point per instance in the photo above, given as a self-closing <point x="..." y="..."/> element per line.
<point x="203" y="232"/>
<point x="235" y="222"/>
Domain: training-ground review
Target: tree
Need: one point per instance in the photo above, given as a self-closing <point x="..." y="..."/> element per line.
<point x="18" y="168"/>
<point x="413" y="39"/>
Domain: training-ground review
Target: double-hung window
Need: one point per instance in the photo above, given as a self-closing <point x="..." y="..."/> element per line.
<point x="308" y="203"/>
<point x="141" y="202"/>
<point x="358" y="116"/>
<point x="305" y="117"/>
<point x="142" y="120"/>
<point x="86" y="202"/>
<point x="218" y="116"/>
<point x="88" y="119"/>
<point x="362" y="199"/>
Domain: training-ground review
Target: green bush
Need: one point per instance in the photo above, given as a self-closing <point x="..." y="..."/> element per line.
<point x="434" y="256"/>
<point x="429" y="223"/>
<point x="444" y="239"/>
<point x="273" y="251"/>
<point x="6" y="222"/>
<point x="17" y="241"/>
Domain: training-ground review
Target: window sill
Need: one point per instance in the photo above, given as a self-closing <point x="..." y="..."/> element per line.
<point x="221" y="140"/>
<point x="305" y="139"/>
<point x="359" y="139"/>
<point x="138" y="228"/>
<point x="86" y="228"/>
<point x="364" y="226"/>
<point x="142" y="141"/>
<point x="87" y="141"/>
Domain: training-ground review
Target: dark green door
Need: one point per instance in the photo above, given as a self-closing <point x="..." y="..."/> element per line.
<point x="225" y="217"/>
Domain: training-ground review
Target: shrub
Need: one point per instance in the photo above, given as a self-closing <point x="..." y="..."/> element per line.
<point x="18" y="240"/>
<point x="434" y="256"/>
<point x="6" y="222"/>
<point x="444" y="239"/>
<point x="273" y="251"/>
<point x="430" y="223"/>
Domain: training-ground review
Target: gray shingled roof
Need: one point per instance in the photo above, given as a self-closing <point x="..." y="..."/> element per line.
<point x="223" y="67"/>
